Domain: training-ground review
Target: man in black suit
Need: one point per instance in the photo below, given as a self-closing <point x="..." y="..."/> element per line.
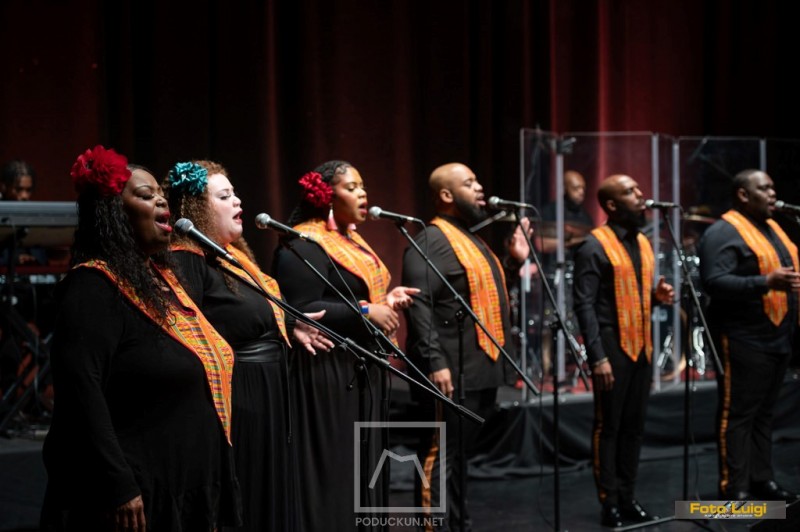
<point x="614" y="292"/>
<point x="433" y="338"/>
<point x="749" y="268"/>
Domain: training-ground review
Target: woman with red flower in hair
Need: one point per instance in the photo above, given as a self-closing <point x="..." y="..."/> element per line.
<point x="140" y="438"/>
<point x="333" y="202"/>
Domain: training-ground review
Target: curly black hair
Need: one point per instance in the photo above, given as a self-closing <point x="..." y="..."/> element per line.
<point x="105" y="233"/>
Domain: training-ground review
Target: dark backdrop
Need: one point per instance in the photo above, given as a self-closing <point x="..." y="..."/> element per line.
<point x="273" y="88"/>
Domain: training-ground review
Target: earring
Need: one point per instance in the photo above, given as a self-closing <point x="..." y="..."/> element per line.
<point x="332" y="221"/>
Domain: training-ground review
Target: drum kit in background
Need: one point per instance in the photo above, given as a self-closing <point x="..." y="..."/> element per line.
<point x="692" y="341"/>
<point x="543" y="318"/>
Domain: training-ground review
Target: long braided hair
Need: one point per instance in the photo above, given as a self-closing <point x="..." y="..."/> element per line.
<point x="105" y="233"/>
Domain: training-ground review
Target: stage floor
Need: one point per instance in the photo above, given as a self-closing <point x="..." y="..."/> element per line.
<point x="512" y="474"/>
<point x="527" y="504"/>
<point x="512" y="477"/>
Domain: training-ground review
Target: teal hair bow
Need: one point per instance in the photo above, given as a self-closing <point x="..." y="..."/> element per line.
<point x="188" y="178"/>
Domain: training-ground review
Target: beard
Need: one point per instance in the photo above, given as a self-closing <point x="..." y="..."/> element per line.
<point x="632" y="219"/>
<point x="471" y="213"/>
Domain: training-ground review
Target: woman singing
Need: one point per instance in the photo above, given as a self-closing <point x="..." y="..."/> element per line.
<point x="258" y="331"/>
<point x="140" y="438"/>
<point x="332" y="389"/>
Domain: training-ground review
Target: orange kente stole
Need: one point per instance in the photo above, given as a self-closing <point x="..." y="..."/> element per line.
<point x="265" y="282"/>
<point x="484" y="297"/>
<point x="354" y="254"/>
<point x="189" y="327"/>
<point x="633" y="314"/>
<point x="776" y="302"/>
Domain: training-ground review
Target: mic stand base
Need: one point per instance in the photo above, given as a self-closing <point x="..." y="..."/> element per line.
<point x="636" y="526"/>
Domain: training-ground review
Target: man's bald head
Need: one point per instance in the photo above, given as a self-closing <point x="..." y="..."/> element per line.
<point x="607" y="188"/>
<point x="456" y="191"/>
<point x="444" y="177"/>
<point x="575" y="186"/>
<point x="621" y="199"/>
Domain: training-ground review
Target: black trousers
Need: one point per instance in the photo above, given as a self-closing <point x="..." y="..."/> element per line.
<point x="481" y="402"/>
<point x="747" y="395"/>
<point x="619" y="416"/>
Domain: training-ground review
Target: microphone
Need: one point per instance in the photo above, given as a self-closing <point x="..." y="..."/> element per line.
<point x="497" y="203"/>
<point x="787" y="207"/>
<point x="185" y="227"/>
<point x="377" y="212"/>
<point x="652" y="204"/>
<point x="265" y="221"/>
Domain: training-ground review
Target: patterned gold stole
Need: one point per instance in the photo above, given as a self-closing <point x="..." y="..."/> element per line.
<point x="776" y="302"/>
<point x="484" y="297"/>
<point x="354" y="254"/>
<point x="189" y="327"/>
<point x="265" y="282"/>
<point x="633" y="314"/>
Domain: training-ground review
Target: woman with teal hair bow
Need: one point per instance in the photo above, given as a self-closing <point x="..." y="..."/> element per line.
<point x="259" y="333"/>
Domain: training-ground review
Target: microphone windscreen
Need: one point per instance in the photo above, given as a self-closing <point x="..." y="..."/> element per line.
<point x="375" y="212"/>
<point x="262" y="220"/>
<point x="183" y="226"/>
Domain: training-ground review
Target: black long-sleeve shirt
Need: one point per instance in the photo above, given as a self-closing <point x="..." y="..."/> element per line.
<point x="594" y="297"/>
<point x="732" y="279"/>
<point x="432" y="327"/>
<point x="303" y="289"/>
<point x="134" y="415"/>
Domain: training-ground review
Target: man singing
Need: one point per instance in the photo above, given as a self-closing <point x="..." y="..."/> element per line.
<point x="749" y="269"/>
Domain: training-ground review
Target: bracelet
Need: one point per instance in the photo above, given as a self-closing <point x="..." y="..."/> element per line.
<point x="364" y="305"/>
<point x="602" y="360"/>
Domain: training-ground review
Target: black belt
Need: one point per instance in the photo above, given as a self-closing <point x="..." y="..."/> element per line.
<point x="260" y="351"/>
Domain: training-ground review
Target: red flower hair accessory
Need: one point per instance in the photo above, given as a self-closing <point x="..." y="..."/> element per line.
<point x="105" y="169"/>
<point x="317" y="192"/>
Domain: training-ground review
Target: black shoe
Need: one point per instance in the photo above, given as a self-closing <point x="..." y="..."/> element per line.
<point x="633" y="511"/>
<point x="740" y="495"/>
<point x="610" y="516"/>
<point x="771" y="491"/>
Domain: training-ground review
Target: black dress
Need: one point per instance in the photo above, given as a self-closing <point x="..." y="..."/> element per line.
<point x="326" y="395"/>
<point x="133" y="415"/>
<point x="261" y="426"/>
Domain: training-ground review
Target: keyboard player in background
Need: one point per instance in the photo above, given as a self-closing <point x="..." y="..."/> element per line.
<point x="25" y="298"/>
<point x="17" y="185"/>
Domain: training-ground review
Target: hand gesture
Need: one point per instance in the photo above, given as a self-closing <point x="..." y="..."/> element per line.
<point x="603" y="376"/>
<point x="309" y="336"/>
<point x="384" y="317"/>
<point x="518" y="245"/>
<point x="129" y="516"/>
<point x="400" y="297"/>
<point x="443" y="380"/>
<point x="664" y="291"/>
<point x="785" y="279"/>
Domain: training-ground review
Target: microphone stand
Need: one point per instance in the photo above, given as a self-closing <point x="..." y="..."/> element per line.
<point x="687" y="279"/>
<point x="397" y="351"/>
<point x="361" y="355"/>
<point x="489" y="221"/>
<point x="461" y="315"/>
<point x="559" y="325"/>
<point x="428" y="386"/>
<point x="13" y="324"/>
